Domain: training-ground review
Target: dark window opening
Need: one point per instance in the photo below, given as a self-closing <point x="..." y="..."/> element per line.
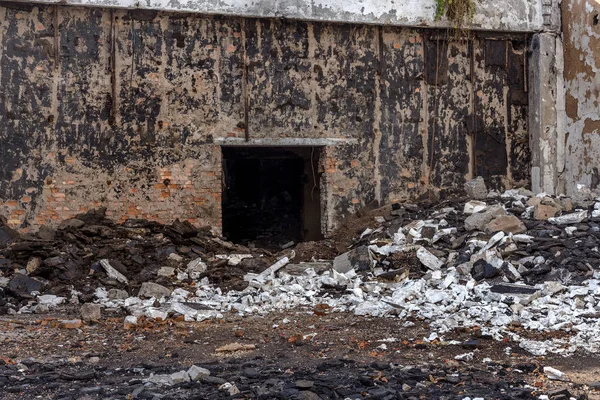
<point x="271" y="195"/>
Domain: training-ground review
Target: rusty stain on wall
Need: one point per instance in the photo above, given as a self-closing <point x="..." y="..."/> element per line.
<point x="126" y="113"/>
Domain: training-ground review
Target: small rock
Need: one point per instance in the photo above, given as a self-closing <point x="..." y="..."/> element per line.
<point x="130" y="322"/>
<point x="24" y="284"/>
<point x="33" y="265"/>
<point x="474" y="206"/>
<point x="231" y="347"/>
<point x="70" y="323"/>
<point x="476" y="188"/>
<point x="166" y="271"/>
<point x="230" y="388"/>
<point x="195" y="268"/>
<point x="506" y="224"/>
<point x="112" y="272"/>
<point x="304" y="385"/>
<point x="507" y="288"/>
<point x="151" y="289"/>
<point x="568" y="219"/>
<point x="117" y="294"/>
<point x="175" y="257"/>
<point x="196" y="372"/>
<point x="555" y="374"/>
<point x="428" y="259"/>
<point x="478" y="221"/>
<point x="542" y="212"/>
<point x="359" y="259"/>
<point x="161" y="379"/>
<point x="483" y="270"/>
<point x="91" y="312"/>
<point x="180" y="377"/>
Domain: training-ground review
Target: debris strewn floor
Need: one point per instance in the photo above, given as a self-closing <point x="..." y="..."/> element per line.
<point x="511" y="275"/>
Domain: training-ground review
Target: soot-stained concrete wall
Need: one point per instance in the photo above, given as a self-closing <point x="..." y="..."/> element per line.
<point x="126" y="110"/>
<point x="581" y="43"/>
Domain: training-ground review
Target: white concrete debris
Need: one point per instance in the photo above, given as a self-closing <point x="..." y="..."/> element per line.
<point x="195" y="268"/>
<point x="446" y="297"/>
<point x="50" y="300"/>
<point x="568" y="219"/>
<point x="439" y="298"/>
<point x="555" y="374"/>
<point x="230" y="388"/>
<point x="112" y="272"/>
<point x="428" y="259"/>
<point x="474" y="206"/>
<point x="233" y="259"/>
<point x="196" y="372"/>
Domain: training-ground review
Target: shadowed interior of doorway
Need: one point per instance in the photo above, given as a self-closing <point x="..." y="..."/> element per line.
<point x="271" y="195"/>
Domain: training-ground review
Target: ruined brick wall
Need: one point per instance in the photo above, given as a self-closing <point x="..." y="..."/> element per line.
<point x="125" y="109"/>
<point x="581" y="42"/>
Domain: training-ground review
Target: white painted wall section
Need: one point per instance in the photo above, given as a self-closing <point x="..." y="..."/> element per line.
<point x="507" y="15"/>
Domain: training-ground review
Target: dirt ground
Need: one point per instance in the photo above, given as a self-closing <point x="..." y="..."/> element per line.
<point x="291" y="341"/>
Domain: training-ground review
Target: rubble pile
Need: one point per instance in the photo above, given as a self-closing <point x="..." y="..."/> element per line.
<point x="91" y="251"/>
<point x="510" y="264"/>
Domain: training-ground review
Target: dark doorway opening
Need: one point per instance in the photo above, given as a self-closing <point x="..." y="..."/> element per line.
<point x="271" y="195"/>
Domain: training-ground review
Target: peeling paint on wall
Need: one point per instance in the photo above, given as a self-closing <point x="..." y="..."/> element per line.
<point x="581" y="41"/>
<point x="508" y="15"/>
<point x="126" y="109"/>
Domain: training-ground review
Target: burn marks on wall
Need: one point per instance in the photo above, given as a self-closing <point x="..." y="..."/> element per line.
<point x="130" y="96"/>
<point x="26" y="92"/>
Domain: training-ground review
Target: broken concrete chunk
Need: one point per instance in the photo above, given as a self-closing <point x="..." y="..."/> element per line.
<point x="510" y="272"/>
<point x="568" y="219"/>
<point x="156" y="313"/>
<point x="70" y="323"/>
<point x="91" y="312"/>
<point x="112" y="272"/>
<point x="555" y="374"/>
<point x="476" y="188"/>
<point x="33" y="265"/>
<point x="428" y="259"/>
<point x="195" y="268"/>
<point x="483" y="270"/>
<point x="50" y="300"/>
<point x="180" y="377"/>
<point x="166" y="272"/>
<point x="195" y="372"/>
<point x="160" y="379"/>
<point x="299" y="269"/>
<point x="508" y="288"/>
<point x="129" y="322"/>
<point x="478" y="221"/>
<point x="359" y="259"/>
<point x="151" y="289"/>
<point x="474" y="206"/>
<point x="231" y="347"/>
<point x="175" y="257"/>
<point x="24" y="284"/>
<point x="505" y="223"/>
<point x="542" y="212"/>
<point x="269" y="272"/>
<point x="229" y="388"/>
<point x="117" y="294"/>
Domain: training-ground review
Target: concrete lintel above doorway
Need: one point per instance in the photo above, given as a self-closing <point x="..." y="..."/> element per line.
<point x="279" y="142"/>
